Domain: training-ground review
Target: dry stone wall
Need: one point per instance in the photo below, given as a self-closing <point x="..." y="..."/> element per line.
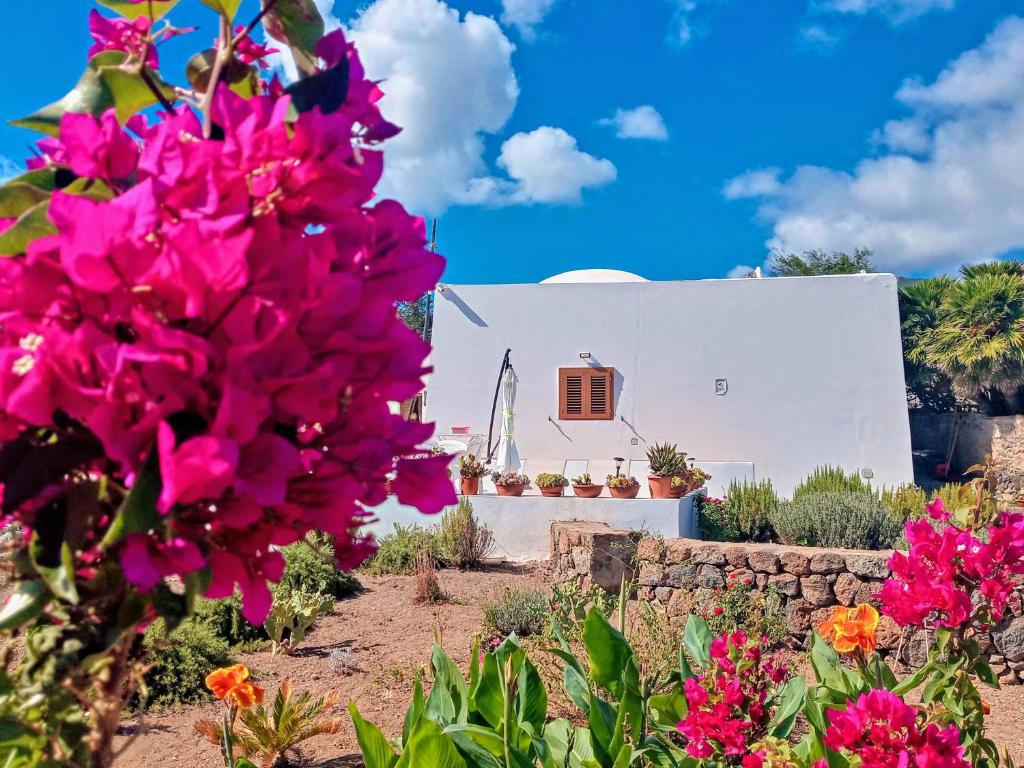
<point x="811" y="582"/>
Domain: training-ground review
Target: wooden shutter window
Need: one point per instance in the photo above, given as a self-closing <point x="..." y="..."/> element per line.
<point x="586" y="394"/>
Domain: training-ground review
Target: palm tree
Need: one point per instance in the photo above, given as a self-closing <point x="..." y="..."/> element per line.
<point x="919" y="312"/>
<point x="1001" y="268"/>
<point x="978" y="337"/>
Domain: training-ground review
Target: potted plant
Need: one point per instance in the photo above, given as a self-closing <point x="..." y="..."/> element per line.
<point x="470" y="470"/>
<point x="622" y="487"/>
<point x="509" y="483"/>
<point x="698" y="477"/>
<point x="666" y="462"/>
<point x="551" y="483"/>
<point x="680" y="486"/>
<point x="585" y="488"/>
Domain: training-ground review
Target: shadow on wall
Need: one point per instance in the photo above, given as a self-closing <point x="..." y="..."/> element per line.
<point x="464" y="308"/>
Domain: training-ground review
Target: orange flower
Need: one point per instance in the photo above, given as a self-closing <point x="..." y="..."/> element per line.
<point x="850" y="629"/>
<point x="233" y="683"/>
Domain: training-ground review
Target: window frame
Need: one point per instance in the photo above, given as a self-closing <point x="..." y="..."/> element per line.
<point x="587" y="374"/>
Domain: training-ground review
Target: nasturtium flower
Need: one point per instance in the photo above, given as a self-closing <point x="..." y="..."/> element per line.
<point x="851" y="629"/>
<point x="233" y="684"/>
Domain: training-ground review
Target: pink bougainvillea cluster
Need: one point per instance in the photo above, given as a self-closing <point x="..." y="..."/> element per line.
<point x="883" y="732"/>
<point x="223" y="309"/>
<point x="727" y="706"/>
<point x="933" y="583"/>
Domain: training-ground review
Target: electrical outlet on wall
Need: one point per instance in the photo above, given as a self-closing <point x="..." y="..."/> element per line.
<point x="634" y="441"/>
<point x="721" y="386"/>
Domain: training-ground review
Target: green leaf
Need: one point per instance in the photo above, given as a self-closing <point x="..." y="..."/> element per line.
<point x="532" y="697"/>
<point x="297" y="24"/>
<point x="224" y="7"/>
<point x="131" y="93"/>
<point x="31" y="225"/>
<point x="985" y="673"/>
<point x="60" y="578"/>
<point x="913" y="681"/>
<point x="133" y="11"/>
<point x="412" y="715"/>
<point x="790" y="701"/>
<point x="430" y="746"/>
<point x="697" y="639"/>
<point x="607" y="650"/>
<point x="137" y="512"/>
<point x="625" y="757"/>
<point x="44" y="178"/>
<point x="27" y="602"/>
<point x="488" y="699"/>
<point x="487" y="738"/>
<point x="577" y="688"/>
<point x="16" y="197"/>
<point x="377" y="752"/>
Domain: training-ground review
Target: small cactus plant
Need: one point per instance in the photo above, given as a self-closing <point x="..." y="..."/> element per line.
<point x="666" y="460"/>
<point x="470" y="467"/>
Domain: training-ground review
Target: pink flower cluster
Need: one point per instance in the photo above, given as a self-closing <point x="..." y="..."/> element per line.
<point x="726" y="706"/>
<point x="883" y="731"/>
<point x="935" y="581"/>
<point x="228" y="307"/>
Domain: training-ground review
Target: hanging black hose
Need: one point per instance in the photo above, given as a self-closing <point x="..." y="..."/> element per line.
<point x="506" y="363"/>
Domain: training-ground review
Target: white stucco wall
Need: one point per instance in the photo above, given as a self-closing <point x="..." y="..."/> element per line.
<point x="814" y="369"/>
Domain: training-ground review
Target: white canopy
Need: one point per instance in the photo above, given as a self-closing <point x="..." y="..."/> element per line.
<point x="507" y="457"/>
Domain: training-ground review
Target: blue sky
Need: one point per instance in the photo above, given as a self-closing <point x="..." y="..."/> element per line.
<point x="892" y="124"/>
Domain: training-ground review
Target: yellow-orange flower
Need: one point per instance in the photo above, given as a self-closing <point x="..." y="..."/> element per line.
<point x="233" y="683"/>
<point x="850" y="629"/>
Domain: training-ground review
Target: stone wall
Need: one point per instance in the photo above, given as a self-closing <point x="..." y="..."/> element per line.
<point x="810" y="581"/>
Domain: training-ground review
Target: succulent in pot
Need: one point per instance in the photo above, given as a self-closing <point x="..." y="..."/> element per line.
<point x="666" y="462"/>
<point x="698" y="477"/>
<point x="551" y="483"/>
<point x="623" y="487"/>
<point x="470" y="472"/>
<point x="584" y="487"/>
<point x="509" y="482"/>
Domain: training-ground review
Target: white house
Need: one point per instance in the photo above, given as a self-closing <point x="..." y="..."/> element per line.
<point x="753" y="378"/>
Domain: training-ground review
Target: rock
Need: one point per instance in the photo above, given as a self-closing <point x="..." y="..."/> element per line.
<point x="709" y="554"/>
<point x="798" y="615"/>
<point x="764" y="561"/>
<point x="681" y="603"/>
<point x="736" y="556"/>
<point x="663" y="594"/>
<point x="847" y="588"/>
<point x="816" y="590"/>
<point x="651" y="550"/>
<point x="677" y="550"/>
<point x="710" y="577"/>
<point x="1016" y="666"/>
<point x="786" y="583"/>
<point x="869" y="566"/>
<point x="651" y="575"/>
<point x="996" y="658"/>
<point x="1009" y="639"/>
<point x="915" y="651"/>
<point x="795" y="562"/>
<point x="827" y="562"/>
<point x="888" y="633"/>
<point x="683" y="576"/>
<point x="1009" y="677"/>
<point x="761" y="580"/>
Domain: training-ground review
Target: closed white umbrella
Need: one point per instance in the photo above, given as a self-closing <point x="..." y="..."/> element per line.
<point x="507" y="457"/>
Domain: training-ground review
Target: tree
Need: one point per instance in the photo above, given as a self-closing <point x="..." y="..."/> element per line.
<point x="919" y="312"/>
<point x="817" y="262"/>
<point x="418" y="315"/>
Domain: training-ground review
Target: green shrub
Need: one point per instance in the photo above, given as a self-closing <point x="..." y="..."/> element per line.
<point x="714" y="521"/>
<point x="742" y="606"/>
<point x="906" y="502"/>
<point x="183" y="660"/>
<point x="396" y="551"/>
<point x="522" y="612"/>
<point x="461" y="540"/>
<point x="224" y="618"/>
<point x="829" y="479"/>
<point x="837" y="519"/>
<point x="751" y="505"/>
<point x="955" y="496"/>
<point x="310" y="568"/>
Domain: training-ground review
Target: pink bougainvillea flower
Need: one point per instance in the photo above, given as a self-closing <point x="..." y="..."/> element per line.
<point x="200" y="468"/>
<point x="147" y="560"/>
<point x="251" y="52"/>
<point x="936" y="510"/>
<point x="97" y="148"/>
<point x="883" y="732"/>
<point x="419" y="484"/>
<point x="132" y="37"/>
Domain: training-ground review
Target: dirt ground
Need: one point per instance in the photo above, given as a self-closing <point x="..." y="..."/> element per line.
<point x="388" y="636"/>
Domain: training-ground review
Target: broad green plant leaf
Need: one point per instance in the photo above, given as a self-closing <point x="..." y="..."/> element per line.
<point x="429" y="746"/>
<point x="133" y="11"/>
<point x="27" y="602"/>
<point x="31" y="225"/>
<point x="130" y="92"/>
<point x="412" y="715"/>
<point x="16" y="197"/>
<point x="59" y="576"/>
<point x="226" y="8"/>
<point x="488" y="697"/>
<point x="608" y="651"/>
<point x="790" y="702"/>
<point x="299" y="25"/>
<point x="137" y="512"/>
<point x="377" y="752"/>
<point x="697" y="638"/>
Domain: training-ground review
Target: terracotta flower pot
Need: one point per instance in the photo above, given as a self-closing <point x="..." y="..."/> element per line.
<point x="552" y="490"/>
<point x="587" y="491"/>
<point x="629" y="492"/>
<point x="661" y="487"/>
<point x="470" y="486"/>
<point x="511" y="490"/>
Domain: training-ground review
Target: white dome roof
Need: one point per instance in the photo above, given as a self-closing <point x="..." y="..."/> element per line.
<point x="596" y="276"/>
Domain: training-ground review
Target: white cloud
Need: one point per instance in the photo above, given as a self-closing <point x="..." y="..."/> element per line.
<point x="896" y="11"/>
<point x="756" y="183"/>
<point x="681" y="30"/>
<point x="959" y="197"/>
<point x="525" y="15"/>
<point x="643" y="122"/>
<point x="448" y="81"/>
<point x="740" y="270"/>
<point x="545" y="166"/>
<point x="818" y="37"/>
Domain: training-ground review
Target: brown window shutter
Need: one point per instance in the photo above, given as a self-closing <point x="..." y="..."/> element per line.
<point x="586" y="393"/>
